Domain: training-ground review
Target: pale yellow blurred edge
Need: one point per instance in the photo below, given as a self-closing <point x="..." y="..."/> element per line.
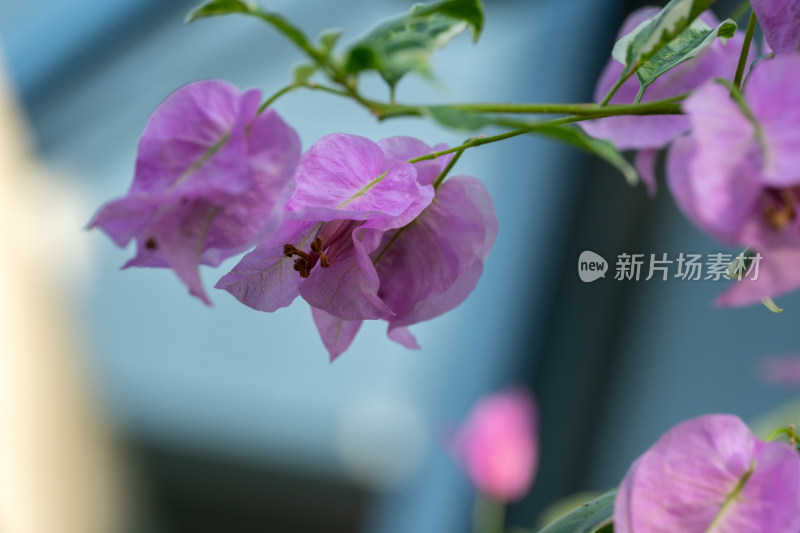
<point x="58" y="467"/>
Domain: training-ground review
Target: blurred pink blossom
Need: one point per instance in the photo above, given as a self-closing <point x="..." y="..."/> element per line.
<point x="781" y="369"/>
<point x="499" y="445"/>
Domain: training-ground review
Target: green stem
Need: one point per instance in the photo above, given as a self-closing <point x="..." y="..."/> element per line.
<point x="473" y="143"/>
<point x="740" y="11"/>
<point x="614" y="89"/>
<point x="271" y="99"/>
<point x="667" y="106"/>
<point x="440" y="178"/>
<point x="480" y="141"/>
<point x="488" y="515"/>
<point x="787" y="432"/>
<point x="748" y="38"/>
<point x="657" y="107"/>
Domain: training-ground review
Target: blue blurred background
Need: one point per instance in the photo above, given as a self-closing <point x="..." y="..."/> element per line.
<point x="233" y="420"/>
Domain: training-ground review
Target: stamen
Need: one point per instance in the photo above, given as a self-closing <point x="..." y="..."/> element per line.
<point x="289" y="250"/>
<point x="780" y="216"/>
<point x="151" y="244"/>
<point x="301" y="266"/>
<point x="316" y="246"/>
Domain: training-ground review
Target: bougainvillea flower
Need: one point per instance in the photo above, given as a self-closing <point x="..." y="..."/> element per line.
<point x="344" y="183"/>
<point x="409" y="262"/>
<point x="429" y="267"/>
<point x="498" y="445"/>
<point x="711" y="475"/>
<point x="212" y="175"/>
<point x="648" y="134"/>
<point x="738" y="177"/>
<point x="780" y="21"/>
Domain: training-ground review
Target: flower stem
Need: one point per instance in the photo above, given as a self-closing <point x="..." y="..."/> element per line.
<point x="440" y="178"/>
<point x="788" y="432"/>
<point x="480" y="141"/>
<point x="748" y="38"/>
<point x="271" y="100"/>
<point x="740" y="11"/>
<point x="614" y="90"/>
<point x="488" y="515"/>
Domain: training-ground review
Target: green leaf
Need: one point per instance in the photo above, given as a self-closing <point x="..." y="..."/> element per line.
<point x="453" y="117"/>
<point x="687" y="45"/>
<point x="592" y="517"/>
<point x="470" y="11"/>
<point x="328" y="40"/>
<point x="221" y="7"/>
<point x="605" y="150"/>
<point x="406" y="44"/>
<point x="303" y="72"/>
<point x="644" y="42"/>
<point x="215" y="8"/>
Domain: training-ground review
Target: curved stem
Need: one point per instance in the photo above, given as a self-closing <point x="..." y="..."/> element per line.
<point x="440" y="178"/>
<point x="748" y="38"/>
<point x="787" y="432"/>
<point x="478" y="141"/>
<point x="271" y="100"/>
<point x="614" y="90"/>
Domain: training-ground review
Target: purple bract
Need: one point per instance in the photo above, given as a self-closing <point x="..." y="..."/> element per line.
<point x="212" y="175"/>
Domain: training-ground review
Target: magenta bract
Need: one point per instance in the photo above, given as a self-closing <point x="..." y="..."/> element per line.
<point x="711" y="475"/>
<point x="738" y="177"/>
<point x="211" y="179"/>
<point x="780" y="21"/>
<point x="367" y="240"/>
<point x="498" y="445"/>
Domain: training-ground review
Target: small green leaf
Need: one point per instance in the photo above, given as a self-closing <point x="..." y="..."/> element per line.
<point x="605" y="150"/>
<point x="592" y="517"/>
<point x="687" y="45"/>
<point x="222" y="7"/>
<point x="303" y="72"/>
<point x="651" y="36"/>
<point x="246" y="7"/>
<point x="470" y="11"/>
<point x="328" y="40"/>
<point x="406" y="44"/>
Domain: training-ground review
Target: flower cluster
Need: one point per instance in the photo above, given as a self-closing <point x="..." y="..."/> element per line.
<point x="649" y="134"/>
<point x="351" y="226"/>
<point x="734" y="161"/>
